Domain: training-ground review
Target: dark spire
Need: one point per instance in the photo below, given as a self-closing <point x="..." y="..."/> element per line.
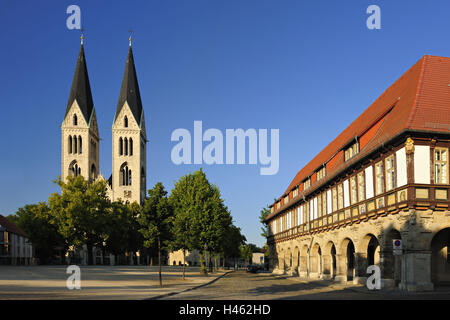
<point x="81" y="89"/>
<point x="130" y="89"/>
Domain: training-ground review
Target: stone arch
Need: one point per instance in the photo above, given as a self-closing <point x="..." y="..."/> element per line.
<point x="440" y="258"/>
<point x="74" y="169"/>
<point x="93" y="172"/>
<point x="370" y="247"/>
<point x="329" y="261"/>
<point x="80" y="141"/>
<point x="346" y="263"/>
<point x="125" y="175"/>
<point x="70" y="144"/>
<point x="316" y="261"/>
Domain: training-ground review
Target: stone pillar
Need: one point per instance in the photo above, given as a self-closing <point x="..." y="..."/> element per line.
<point x="326" y="268"/>
<point x="416" y="271"/>
<point x="361" y="264"/>
<point x="341" y="266"/>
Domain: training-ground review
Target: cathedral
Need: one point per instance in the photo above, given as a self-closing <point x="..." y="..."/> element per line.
<point x="81" y="140"/>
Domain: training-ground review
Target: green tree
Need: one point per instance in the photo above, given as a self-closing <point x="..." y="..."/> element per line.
<point x="201" y="216"/>
<point x="123" y="228"/>
<point x="34" y="220"/>
<point x="233" y="240"/>
<point x="156" y="220"/>
<point x="263" y="214"/>
<point x="80" y="212"/>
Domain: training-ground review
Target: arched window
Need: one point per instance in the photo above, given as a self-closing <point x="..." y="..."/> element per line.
<point x="70" y="144"/>
<point x="75" y="120"/>
<point x="120" y="146"/>
<point x="125" y="122"/>
<point x="74" y="169"/>
<point x="75" y="144"/>
<point x="79" y="144"/>
<point x="93" y="172"/>
<point x="131" y="147"/>
<point x="126" y="146"/>
<point x="125" y="175"/>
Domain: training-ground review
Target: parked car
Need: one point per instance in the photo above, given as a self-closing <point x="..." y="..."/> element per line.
<point x="252" y="268"/>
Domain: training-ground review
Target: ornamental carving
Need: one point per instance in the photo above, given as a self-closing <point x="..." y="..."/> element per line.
<point x="409" y="145"/>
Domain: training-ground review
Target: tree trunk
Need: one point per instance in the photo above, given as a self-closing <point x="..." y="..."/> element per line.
<point x="89" y="259"/>
<point x="159" y="263"/>
<point x="202" y="264"/>
<point x="215" y="263"/>
<point x="184" y="262"/>
<point x="210" y="262"/>
<point x="223" y="262"/>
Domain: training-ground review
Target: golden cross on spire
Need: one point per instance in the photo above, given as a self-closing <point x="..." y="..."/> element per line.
<point x="82" y="35"/>
<point x="131" y="32"/>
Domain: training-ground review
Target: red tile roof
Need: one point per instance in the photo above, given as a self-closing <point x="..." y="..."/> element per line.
<point x="11" y="227"/>
<point x="419" y="100"/>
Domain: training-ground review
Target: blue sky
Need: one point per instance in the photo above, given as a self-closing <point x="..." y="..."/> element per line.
<point x="307" y="68"/>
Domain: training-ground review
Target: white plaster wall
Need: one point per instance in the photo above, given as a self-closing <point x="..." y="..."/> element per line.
<point x="401" y="167"/>
<point x="422" y="164"/>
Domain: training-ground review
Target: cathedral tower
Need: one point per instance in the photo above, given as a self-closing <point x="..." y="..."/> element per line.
<point x="129" y="140"/>
<point x="79" y="130"/>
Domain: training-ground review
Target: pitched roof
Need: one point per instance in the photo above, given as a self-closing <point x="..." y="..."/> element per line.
<point x="418" y="101"/>
<point x="11" y="227"/>
<point x="81" y="89"/>
<point x="129" y="91"/>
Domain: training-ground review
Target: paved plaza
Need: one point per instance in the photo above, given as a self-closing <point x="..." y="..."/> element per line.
<point x="97" y="282"/>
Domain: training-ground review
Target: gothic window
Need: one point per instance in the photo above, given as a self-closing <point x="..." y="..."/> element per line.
<point x="131" y="146"/>
<point x="125" y="122"/>
<point x="126" y="146"/>
<point x="75" y="120"/>
<point x="74" y="169"/>
<point x="70" y="144"/>
<point x="120" y="146"/>
<point x="75" y="144"/>
<point x="93" y="172"/>
<point x="125" y="175"/>
<point x="79" y="144"/>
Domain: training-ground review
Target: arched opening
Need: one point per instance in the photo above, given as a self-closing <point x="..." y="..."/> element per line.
<point x="131" y="146"/>
<point x="329" y="261"/>
<point x="440" y="258"/>
<point x="93" y="172"/>
<point x="75" y="120"/>
<point x="125" y="175"/>
<point x="70" y="144"/>
<point x="79" y="144"/>
<point x="126" y="146"/>
<point x="125" y="122"/>
<point x="74" y="169"/>
<point x="120" y="146"/>
<point x="75" y="149"/>
<point x="347" y="260"/>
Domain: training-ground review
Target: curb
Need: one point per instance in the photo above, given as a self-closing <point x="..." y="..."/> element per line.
<point x="189" y="289"/>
